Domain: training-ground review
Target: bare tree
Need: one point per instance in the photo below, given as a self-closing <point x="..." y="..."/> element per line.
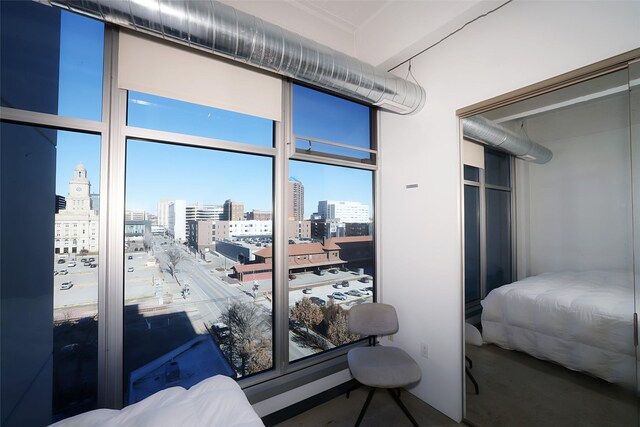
<point x="338" y="332"/>
<point x="175" y="256"/>
<point x="307" y="313"/>
<point x="248" y="343"/>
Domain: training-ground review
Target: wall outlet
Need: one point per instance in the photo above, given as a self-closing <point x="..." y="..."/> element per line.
<point x="424" y="350"/>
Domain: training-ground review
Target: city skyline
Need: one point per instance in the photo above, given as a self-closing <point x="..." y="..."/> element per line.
<point x="72" y="143"/>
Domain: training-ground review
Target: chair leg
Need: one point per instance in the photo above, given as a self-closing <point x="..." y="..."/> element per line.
<point x="473" y="380"/>
<point x="470" y="362"/>
<point x="395" y="394"/>
<point x="366" y="405"/>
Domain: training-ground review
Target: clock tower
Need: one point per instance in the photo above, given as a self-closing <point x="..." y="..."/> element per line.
<point x="79" y="199"/>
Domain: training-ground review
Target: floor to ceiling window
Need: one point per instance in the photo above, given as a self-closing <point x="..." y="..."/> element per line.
<point x="487" y="228"/>
<point x="50" y="144"/>
<point x="330" y="232"/>
<point x="169" y="220"/>
<point x="195" y="217"/>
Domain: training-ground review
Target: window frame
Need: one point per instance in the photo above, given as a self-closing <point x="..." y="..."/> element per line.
<point x="114" y="133"/>
<point x="472" y="309"/>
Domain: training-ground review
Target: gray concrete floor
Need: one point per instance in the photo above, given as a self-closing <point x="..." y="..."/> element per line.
<point x="519" y="390"/>
<point x="382" y="412"/>
<point x="516" y="390"/>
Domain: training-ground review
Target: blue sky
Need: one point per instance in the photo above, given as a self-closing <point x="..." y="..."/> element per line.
<point x="155" y="171"/>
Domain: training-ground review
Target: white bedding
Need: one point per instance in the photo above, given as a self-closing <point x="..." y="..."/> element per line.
<point x="215" y="402"/>
<point x="581" y="320"/>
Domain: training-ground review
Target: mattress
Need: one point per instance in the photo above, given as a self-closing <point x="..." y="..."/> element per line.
<point x="215" y="402"/>
<point x="581" y="320"/>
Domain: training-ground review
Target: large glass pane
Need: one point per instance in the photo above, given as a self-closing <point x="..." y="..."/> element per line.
<point x="498" y="240"/>
<point x="324" y="117"/>
<point x="471" y="173"/>
<point x="497" y="168"/>
<point x="471" y="243"/>
<point x="198" y="297"/>
<point x="52" y="179"/>
<point x="155" y="112"/>
<point x="331" y="254"/>
<point x="52" y="60"/>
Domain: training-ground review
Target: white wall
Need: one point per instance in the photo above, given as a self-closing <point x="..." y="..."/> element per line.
<point x="521" y="44"/>
<point x="580" y="202"/>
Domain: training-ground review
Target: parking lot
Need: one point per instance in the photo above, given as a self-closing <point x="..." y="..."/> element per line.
<point x="312" y="285"/>
<point x="140" y="272"/>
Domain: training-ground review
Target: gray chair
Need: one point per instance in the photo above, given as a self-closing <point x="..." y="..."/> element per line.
<point x="378" y="366"/>
<point x="474" y="337"/>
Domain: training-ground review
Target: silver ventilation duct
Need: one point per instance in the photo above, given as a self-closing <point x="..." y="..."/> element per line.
<point x="218" y="28"/>
<point x="492" y="134"/>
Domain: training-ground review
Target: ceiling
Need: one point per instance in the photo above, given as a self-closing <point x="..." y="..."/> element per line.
<point x="380" y="32"/>
<point x="350" y="14"/>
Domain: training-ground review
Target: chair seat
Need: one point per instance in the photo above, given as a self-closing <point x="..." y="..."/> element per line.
<point x="384" y="367"/>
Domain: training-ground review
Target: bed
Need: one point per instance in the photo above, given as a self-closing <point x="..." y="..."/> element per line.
<point x="581" y="320"/>
<point x="215" y="402"/>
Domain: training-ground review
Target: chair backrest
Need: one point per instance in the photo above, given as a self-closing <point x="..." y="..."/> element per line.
<point x="373" y="319"/>
<point x="472" y="335"/>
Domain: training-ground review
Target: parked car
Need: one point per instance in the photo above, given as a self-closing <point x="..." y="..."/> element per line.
<point x="71" y="264"/>
<point x="87" y="263"/>
<point x="366" y="291"/>
<point x="93" y="265"/>
<point x="364" y="279"/>
<point x="307" y="290"/>
<point x="318" y="301"/>
<point x="333" y="270"/>
<point x="221" y="330"/>
<point x="63" y="272"/>
<point x="65" y="286"/>
<point x="91" y="259"/>
<point x="130" y="257"/>
<point x="337" y="285"/>
<point x="319" y="272"/>
<point x="354" y="293"/>
<point x="130" y="270"/>
<point x="338" y="295"/>
<point x="344" y="283"/>
<point x="292" y="276"/>
<point x="61" y="261"/>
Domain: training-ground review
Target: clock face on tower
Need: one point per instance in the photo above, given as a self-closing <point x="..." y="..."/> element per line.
<point x="78" y="188"/>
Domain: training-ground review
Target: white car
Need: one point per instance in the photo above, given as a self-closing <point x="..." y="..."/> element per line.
<point x="65" y="286"/>
<point x="63" y="272"/>
<point x="71" y="264"/>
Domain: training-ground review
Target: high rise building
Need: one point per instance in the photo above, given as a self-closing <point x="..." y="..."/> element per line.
<point x="135" y="215"/>
<point x="344" y="211"/>
<point x="95" y="202"/>
<point x="233" y="211"/>
<point x="201" y="211"/>
<point x="76" y="226"/>
<point x="61" y="203"/>
<point x="296" y="200"/>
<point x="163" y="212"/>
<point x="178" y="220"/>
<point x="260" y="215"/>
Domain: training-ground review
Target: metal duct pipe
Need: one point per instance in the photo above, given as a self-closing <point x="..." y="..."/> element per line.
<point x="492" y="134"/>
<point x="223" y="30"/>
